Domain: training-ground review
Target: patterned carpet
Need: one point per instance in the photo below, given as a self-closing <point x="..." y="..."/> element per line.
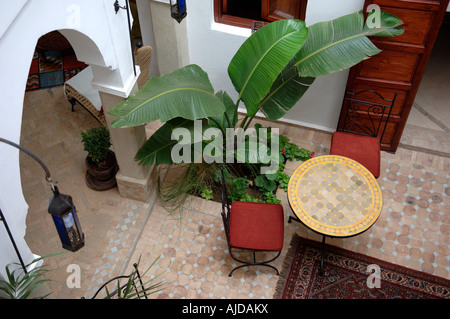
<point x="349" y="275"/>
<point x="52" y="68"/>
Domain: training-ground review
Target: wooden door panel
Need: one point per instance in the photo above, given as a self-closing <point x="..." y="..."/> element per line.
<point x="427" y="5"/>
<point x="390" y="65"/>
<point x="400" y="65"/>
<point x="389" y="134"/>
<point x="416" y="23"/>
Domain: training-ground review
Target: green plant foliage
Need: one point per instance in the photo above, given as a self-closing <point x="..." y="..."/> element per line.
<point x="291" y="151"/>
<point x="186" y="86"/>
<point x="270" y="72"/>
<point x="283" y="180"/>
<point x="134" y="288"/>
<point x="261" y="58"/>
<point x="238" y="188"/>
<point x="157" y="149"/>
<point x="246" y="197"/>
<point x="206" y="193"/>
<point x="341" y="43"/>
<point x="264" y="183"/>
<point x="270" y="197"/>
<point x="229" y="118"/>
<point x="190" y="179"/>
<point x="331" y="46"/>
<point x="96" y="142"/>
<point x="20" y="285"/>
<point x="285" y="92"/>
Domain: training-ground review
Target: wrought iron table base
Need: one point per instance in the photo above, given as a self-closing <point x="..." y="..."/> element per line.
<point x="295" y="218"/>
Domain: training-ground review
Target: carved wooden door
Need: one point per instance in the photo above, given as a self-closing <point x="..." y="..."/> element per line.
<point x="401" y="64"/>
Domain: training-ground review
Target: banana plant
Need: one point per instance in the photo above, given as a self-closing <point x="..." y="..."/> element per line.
<point x="271" y="71"/>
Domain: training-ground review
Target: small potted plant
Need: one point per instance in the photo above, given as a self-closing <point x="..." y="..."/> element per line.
<point x="101" y="161"/>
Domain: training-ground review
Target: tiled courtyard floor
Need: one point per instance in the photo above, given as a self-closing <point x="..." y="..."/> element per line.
<point x="413" y="229"/>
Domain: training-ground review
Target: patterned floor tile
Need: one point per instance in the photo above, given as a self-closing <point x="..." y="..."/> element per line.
<point x="413" y="229"/>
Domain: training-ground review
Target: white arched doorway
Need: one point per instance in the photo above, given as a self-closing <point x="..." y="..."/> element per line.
<point x="100" y="37"/>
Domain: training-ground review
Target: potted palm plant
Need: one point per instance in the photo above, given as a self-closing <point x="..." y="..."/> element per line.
<point x="271" y="71"/>
<point x="101" y="162"/>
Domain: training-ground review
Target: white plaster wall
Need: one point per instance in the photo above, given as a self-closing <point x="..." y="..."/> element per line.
<point x="320" y="106"/>
<point x="212" y="45"/>
<point x="148" y="37"/>
<point x="99" y="36"/>
<point x="171" y="37"/>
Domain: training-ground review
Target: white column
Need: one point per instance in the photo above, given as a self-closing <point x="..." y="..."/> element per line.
<point x="134" y="180"/>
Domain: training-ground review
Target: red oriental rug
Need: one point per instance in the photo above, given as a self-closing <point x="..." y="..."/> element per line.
<point x="348" y="275"/>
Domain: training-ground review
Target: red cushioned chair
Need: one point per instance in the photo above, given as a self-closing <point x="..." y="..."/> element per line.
<point x="365" y="122"/>
<point x="252" y="227"/>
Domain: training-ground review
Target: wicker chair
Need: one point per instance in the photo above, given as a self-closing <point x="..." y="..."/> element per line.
<point x="79" y="89"/>
<point x="143" y="58"/>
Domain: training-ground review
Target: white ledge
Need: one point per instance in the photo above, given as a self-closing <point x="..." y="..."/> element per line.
<point x="119" y="91"/>
<point x="220" y="27"/>
<point x="162" y="1"/>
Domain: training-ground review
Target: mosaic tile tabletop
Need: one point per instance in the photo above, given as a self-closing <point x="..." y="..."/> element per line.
<point x="335" y="196"/>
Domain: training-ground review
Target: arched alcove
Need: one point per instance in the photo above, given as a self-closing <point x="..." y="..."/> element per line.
<point x="85" y="48"/>
<point x="51" y="131"/>
<point x="100" y="38"/>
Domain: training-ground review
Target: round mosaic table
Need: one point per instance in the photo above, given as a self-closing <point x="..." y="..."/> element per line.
<point x="334" y="196"/>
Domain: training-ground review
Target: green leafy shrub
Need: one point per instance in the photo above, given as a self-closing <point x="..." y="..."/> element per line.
<point x="291" y="151"/>
<point x="96" y="142"/>
<point x="206" y="193"/>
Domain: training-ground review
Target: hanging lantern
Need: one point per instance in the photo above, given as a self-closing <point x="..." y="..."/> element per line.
<point x="60" y="206"/>
<point x="178" y="9"/>
<point x="66" y="220"/>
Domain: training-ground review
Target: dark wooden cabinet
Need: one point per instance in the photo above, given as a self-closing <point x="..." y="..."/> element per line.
<point x="400" y="66"/>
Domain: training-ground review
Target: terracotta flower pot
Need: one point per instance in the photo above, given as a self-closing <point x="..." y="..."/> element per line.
<point x="102" y="176"/>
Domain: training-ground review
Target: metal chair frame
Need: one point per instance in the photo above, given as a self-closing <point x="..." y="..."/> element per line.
<point x="134" y="284"/>
<point x="376" y="113"/>
<point x="226" y="209"/>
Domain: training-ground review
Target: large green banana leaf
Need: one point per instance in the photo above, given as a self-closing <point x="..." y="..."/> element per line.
<point x="287" y="89"/>
<point x="186" y="92"/>
<point x="341" y="43"/>
<point x="271" y="72"/>
<point x="262" y="57"/>
<point x="158" y="148"/>
<point x="331" y="46"/>
<point x="229" y="118"/>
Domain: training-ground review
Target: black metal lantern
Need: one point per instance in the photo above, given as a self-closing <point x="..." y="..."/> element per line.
<point x="178" y="9"/>
<point x="66" y="220"/>
<point x="60" y="207"/>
